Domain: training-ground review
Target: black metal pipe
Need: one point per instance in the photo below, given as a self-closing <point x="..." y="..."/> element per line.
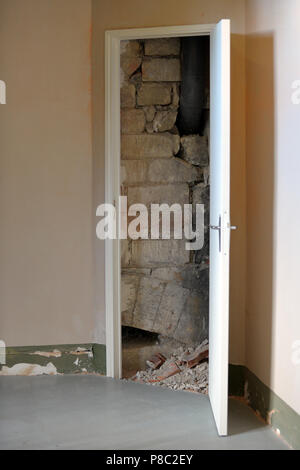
<point x="194" y="70"/>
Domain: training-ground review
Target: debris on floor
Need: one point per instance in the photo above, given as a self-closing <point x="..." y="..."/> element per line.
<point x="194" y="358"/>
<point x="185" y="369"/>
<point x="172" y="369"/>
<point x="156" y="361"/>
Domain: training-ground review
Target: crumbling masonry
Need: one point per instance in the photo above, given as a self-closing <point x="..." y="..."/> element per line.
<point x="164" y="286"/>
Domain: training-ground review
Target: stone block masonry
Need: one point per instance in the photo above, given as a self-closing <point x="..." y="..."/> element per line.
<point x="161" y="70"/>
<point x="153" y="94"/>
<point x="149" y="145"/>
<point x="164" y="286"/>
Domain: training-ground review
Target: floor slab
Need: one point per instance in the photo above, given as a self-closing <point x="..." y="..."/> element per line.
<point x="93" y="412"/>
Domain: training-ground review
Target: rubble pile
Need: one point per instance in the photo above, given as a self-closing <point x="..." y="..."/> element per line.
<point x="185" y="369"/>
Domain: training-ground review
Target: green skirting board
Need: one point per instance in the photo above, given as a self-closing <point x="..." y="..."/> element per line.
<point x="277" y="413"/>
<point x="55" y="359"/>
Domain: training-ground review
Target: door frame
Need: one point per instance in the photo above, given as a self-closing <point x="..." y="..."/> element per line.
<point x="112" y="173"/>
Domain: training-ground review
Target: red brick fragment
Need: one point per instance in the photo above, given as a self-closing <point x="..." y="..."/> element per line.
<point x="156" y="361"/>
<point x="196" y="357"/>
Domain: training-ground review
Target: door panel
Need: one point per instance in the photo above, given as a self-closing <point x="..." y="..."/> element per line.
<point x="220" y="222"/>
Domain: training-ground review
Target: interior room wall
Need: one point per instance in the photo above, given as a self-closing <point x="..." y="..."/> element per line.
<point x="46" y="269"/>
<point x="273" y="197"/>
<point x="52" y="266"/>
<point x="118" y="14"/>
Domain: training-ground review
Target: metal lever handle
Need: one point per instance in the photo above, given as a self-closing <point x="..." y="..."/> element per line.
<point x="219" y="227"/>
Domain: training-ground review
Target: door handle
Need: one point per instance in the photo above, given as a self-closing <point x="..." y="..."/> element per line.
<point x="219" y="227"/>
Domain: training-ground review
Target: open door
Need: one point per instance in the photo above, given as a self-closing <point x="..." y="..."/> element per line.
<point x="219" y="222"/>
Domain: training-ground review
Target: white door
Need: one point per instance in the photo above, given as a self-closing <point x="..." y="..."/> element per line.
<point x="219" y="222"/>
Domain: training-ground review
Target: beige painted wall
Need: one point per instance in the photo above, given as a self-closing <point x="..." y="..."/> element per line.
<point x="118" y="14"/>
<point x="52" y="266"/>
<point x="273" y="199"/>
<point x="46" y="269"/>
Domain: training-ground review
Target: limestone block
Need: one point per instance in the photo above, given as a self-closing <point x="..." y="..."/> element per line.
<point x="166" y="193"/>
<point x="133" y="171"/>
<point x="129" y="287"/>
<point x="149" y="113"/>
<point x="136" y="271"/>
<point x="125" y="252"/>
<point x="154" y="93"/>
<point x="170" y="309"/>
<point x="129" y="65"/>
<point x="149" y="146"/>
<point x="190" y="276"/>
<point x="169" y="46"/>
<point x="161" y="70"/>
<point x="149" y="128"/>
<point x="136" y="78"/>
<point x="130" y="48"/>
<point x="153" y="252"/>
<point x="148" y="300"/>
<point x="132" y="121"/>
<point x="173" y="170"/>
<point x="195" y="149"/>
<point x="169" y="273"/>
<point x="130" y="57"/>
<point x="128" y="95"/>
<point x="193" y="323"/>
<point x="164" y="121"/>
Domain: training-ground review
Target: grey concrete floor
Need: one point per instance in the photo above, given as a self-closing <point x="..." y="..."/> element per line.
<point x="93" y="412"/>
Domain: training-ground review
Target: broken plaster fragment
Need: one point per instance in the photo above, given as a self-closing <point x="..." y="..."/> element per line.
<point x="78" y="351"/>
<point x="172" y="369"/>
<point x="54" y="353"/>
<point x="29" y="369"/>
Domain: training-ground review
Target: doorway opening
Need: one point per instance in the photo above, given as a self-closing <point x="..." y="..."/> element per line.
<point x="164" y="90"/>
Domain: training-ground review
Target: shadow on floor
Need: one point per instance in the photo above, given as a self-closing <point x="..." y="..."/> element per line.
<point x="241" y="418"/>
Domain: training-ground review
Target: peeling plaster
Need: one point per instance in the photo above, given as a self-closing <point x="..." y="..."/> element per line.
<point x="68" y="358"/>
<point x="79" y="351"/>
<point x="54" y="353"/>
<point x="29" y="369"/>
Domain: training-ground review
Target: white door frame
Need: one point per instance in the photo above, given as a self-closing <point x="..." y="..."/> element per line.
<point x="112" y="174"/>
